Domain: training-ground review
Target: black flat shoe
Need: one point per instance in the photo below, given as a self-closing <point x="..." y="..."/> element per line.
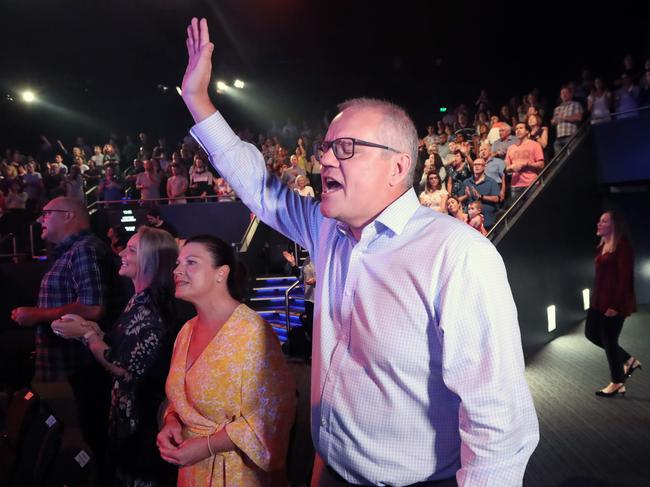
<point x="635" y="365"/>
<point x="619" y="390"/>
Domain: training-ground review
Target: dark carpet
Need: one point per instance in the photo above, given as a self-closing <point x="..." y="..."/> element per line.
<point x="585" y="440"/>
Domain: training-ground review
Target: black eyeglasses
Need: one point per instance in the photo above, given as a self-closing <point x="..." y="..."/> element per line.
<point x="343" y="148"/>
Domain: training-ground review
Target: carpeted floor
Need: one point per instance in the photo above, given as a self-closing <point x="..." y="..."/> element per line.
<point x="585" y="440"/>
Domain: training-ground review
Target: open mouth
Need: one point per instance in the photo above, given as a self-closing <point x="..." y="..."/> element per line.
<point x="330" y="185"/>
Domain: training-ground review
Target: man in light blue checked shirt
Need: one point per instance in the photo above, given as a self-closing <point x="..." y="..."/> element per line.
<point x="417" y="372"/>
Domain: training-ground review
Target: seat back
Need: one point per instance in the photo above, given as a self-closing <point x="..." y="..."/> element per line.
<point x="72" y="467"/>
<point x="39" y="449"/>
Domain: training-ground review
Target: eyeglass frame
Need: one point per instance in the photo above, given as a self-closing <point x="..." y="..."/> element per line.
<point x="355" y="142"/>
<point x="45" y="213"/>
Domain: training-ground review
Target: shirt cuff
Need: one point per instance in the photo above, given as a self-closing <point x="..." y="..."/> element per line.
<point x="214" y="135"/>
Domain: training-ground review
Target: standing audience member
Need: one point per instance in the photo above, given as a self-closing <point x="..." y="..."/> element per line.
<point x="136" y="354"/>
<point x="525" y="160"/>
<point x="148" y="183"/>
<point x="434" y="195"/>
<point x="231" y="394"/>
<point x="599" y="102"/>
<point x="201" y="179"/>
<point x="177" y="186"/>
<point x="612" y="300"/>
<point x="566" y="118"/>
<point x="66" y="373"/>
<point x="73" y="184"/>
<point x="481" y="188"/>
<point x="110" y="188"/>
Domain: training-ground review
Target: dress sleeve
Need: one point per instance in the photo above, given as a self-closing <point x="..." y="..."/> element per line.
<point x="268" y="401"/>
<point x="138" y="351"/>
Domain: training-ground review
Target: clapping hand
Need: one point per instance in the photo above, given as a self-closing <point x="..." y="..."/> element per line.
<point x="70" y="326"/>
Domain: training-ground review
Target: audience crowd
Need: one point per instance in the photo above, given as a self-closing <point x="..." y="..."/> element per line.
<point x="469" y="148"/>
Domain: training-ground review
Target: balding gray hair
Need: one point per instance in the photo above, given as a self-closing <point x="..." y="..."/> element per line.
<point x="76" y="206"/>
<point x="396" y="131"/>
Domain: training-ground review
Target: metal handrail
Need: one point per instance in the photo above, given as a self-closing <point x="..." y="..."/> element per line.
<point x="156" y="200"/>
<point x="286" y="308"/>
<point x="611" y="116"/>
<point x="14" y="248"/>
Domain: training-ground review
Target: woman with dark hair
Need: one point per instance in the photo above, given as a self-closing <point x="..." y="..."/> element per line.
<point x="231" y="394"/>
<point x="612" y="300"/>
<point x="136" y="353"/>
<point x="455" y="209"/>
<point x="434" y="195"/>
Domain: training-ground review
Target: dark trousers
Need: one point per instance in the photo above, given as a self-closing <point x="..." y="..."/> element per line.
<point x="604" y="332"/>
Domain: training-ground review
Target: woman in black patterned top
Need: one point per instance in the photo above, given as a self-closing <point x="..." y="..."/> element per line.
<point x="136" y="352"/>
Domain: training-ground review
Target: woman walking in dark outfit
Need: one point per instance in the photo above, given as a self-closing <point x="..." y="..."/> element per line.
<point x="612" y="300"/>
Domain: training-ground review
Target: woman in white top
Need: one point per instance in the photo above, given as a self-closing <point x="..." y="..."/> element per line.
<point x="302" y="188"/>
<point x="599" y="102"/>
<point x="434" y="195"/>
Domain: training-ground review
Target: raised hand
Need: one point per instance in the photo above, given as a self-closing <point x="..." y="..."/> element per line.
<point x="199" y="67"/>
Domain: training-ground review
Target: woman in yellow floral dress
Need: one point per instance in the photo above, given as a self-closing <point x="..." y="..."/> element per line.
<point x="231" y="394"/>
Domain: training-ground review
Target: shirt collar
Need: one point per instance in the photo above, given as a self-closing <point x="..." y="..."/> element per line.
<point x="69" y="241"/>
<point x="395" y="216"/>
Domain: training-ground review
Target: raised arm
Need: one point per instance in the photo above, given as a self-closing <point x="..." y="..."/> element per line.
<point x="199" y="68"/>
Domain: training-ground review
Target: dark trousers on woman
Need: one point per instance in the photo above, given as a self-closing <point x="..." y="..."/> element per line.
<point x="604" y="332"/>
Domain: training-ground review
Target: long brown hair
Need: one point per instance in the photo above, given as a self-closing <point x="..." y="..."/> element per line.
<point x="620" y="228"/>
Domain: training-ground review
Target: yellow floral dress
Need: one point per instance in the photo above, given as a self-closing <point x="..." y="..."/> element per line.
<point x="240" y="381"/>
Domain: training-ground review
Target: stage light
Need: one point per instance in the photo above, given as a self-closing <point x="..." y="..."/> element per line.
<point x="28" y="96"/>
<point x="550" y="314"/>
<point x="221" y="86"/>
<point x="585" y="299"/>
<point x="179" y="91"/>
<point x="238" y="84"/>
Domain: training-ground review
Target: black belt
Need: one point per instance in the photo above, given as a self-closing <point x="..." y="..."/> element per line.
<point x="451" y="481"/>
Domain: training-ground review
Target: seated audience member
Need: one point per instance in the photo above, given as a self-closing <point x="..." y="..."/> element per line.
<point x="566" y="118"/>
<point x="66" y="373"/>
<point x="457" y="172"/>
<point x="136" y="354"/>
<point x="475" y="216"/>
<point x="155" y="220"/>
<point x="302" y="188"/>
<point x="118" y="238"/>
<point x="524" y="160"/>
<point x="599" y="102"/>
<point x="110" y="188"/>
<point x="455" y="209"/>
<point x="177" y="185"/>
<point x="231" y="394"/>
<point x="481" y="188"/>
<point x="434" y="195"/>
<point x="433" y="162"/>
<point x="201" y="179"/>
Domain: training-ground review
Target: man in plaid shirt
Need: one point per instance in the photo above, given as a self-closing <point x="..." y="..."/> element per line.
<point x="66" y="373"/>
<point x="566" y="118"/>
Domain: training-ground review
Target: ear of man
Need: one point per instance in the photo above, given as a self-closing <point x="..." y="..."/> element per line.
<point x="401" y="174"/>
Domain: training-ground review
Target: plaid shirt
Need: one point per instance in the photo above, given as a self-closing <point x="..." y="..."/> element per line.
<point x="75" y="277"/>
<point x="566" y="129"/>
